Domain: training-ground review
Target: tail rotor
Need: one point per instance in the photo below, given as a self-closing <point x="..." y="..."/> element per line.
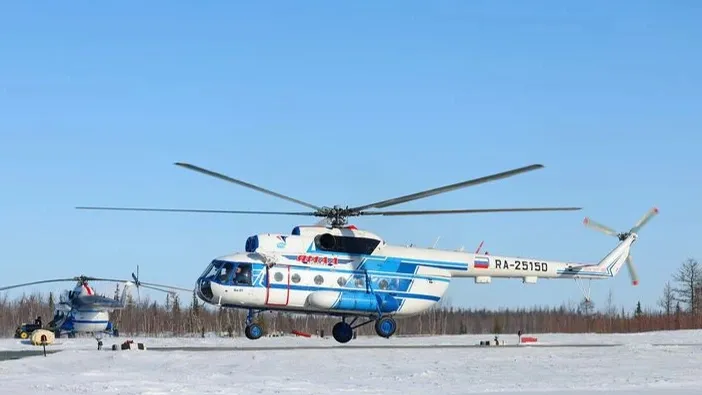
<point x="623" y="236"/>
<point x="137" y="284"/>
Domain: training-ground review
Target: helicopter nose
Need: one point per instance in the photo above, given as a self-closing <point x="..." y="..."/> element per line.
<point x="205" y="289"/>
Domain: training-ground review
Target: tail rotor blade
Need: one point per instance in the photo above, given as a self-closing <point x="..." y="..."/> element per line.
<point x="647" y="217"/>
<point x="597" y="226"/>
<point x="137" y="283"/>
<point x="632" y="272"/>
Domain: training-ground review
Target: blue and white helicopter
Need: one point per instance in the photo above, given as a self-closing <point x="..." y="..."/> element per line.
<point x="337" y="269"/>
<point x="81" y="310"/>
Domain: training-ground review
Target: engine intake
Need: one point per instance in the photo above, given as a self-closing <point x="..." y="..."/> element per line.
<point x="326" y="241"/>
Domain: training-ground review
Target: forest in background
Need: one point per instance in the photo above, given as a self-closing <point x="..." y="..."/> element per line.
<point x="678" y="307"/>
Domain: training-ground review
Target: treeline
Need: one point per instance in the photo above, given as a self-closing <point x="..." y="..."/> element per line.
<point x="678" y="308"/>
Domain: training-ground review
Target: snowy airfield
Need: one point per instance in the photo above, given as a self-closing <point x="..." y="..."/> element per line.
<point x="645" y="363"/>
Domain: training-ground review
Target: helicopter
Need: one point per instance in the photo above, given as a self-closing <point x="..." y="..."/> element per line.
<point x="81" y="310"/>
<point x="337" y="269"/>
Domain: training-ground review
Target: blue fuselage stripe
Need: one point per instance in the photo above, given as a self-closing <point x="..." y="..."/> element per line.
<point x="379" y="273"/>
<point x="398" y="294"/>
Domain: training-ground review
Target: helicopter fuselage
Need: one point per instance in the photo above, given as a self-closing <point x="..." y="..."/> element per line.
<point x="351" y="272"/>
<point x="330" y="271"/>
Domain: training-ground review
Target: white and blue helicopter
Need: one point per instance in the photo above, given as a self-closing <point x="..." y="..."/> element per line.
<point x="81" y="310"/>
<point x="337" y="269"/>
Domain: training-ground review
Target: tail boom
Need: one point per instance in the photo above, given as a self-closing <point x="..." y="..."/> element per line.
<point x="490" y="266"/>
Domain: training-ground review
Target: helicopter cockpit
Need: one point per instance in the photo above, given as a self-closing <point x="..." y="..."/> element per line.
<point x="228" y="273"/>
<point x="224" y="273"/>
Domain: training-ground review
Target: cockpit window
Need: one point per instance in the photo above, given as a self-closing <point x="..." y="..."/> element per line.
<point x="243" y="274"/>
<point x="229" y="273"/>
<point x="226" y="272"/>
<point x="212" y="268"/>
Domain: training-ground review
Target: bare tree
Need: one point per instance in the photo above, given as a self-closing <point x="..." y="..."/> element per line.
<point x="171" y="316"/>
<point x="610" y="308"/>
<point x="667" y="300"/>
<point x="690" y="278"/>
<point x="586" y="306"/>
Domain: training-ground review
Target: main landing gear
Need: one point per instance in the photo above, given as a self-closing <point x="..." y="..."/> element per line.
<point x="343" y="331"/>
<point x="385" y="326"/>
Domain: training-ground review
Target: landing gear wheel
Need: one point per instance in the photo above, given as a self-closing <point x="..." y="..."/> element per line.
<point x="385" y="326"/>
<point x="253" y="331"/>
<point x="342" y="332"/>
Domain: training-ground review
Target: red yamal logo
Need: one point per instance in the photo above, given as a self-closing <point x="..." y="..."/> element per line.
<point x="318" y="260"/>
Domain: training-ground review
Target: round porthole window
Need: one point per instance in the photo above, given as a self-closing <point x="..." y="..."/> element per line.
<point x="383" y="284"/>
<point x="341" y="281"/>
<point x="295" y="278"/>
<point x="278" y="276"/>
<point x="318" y="279"/>
<point x="359" y="282"/>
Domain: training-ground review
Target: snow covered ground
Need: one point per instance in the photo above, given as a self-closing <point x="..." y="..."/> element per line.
<point x="647" y="363"/>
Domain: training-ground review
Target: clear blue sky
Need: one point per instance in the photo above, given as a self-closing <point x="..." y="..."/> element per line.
<point x="348" y="104"/>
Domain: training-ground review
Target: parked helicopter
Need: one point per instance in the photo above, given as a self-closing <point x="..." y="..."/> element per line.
<point x="81" y="310"/>
<point x="337" y="269"/>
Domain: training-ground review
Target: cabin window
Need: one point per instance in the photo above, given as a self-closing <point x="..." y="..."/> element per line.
<point x="359" y="282"/>
<point x="318" y="279"/>
<point x="295" y="278"/>
<point x="346" y="244"/>
<point x="278" y="276"/>
<point x="383" y="284"/>
<point x="341" y="281"/>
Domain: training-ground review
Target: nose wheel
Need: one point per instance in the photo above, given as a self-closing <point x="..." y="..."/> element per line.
<point x="252" y="330"/>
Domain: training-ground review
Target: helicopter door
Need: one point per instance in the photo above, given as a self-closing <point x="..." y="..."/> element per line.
<point x="278" y="285"/>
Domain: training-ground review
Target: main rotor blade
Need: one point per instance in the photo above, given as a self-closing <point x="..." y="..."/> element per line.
<point x="467" y="211"/>
<point x="245" y="184"/>
<point x="145" y="285"/>
<point x="58" y="280"/>
<point x="103" y="279"/>
<point x="647" y="217"/>
<point x="183" y="210"/>
<point x="448" y="188"/>
<point x="598" y="226"/>
<point x="162" y="290"/>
